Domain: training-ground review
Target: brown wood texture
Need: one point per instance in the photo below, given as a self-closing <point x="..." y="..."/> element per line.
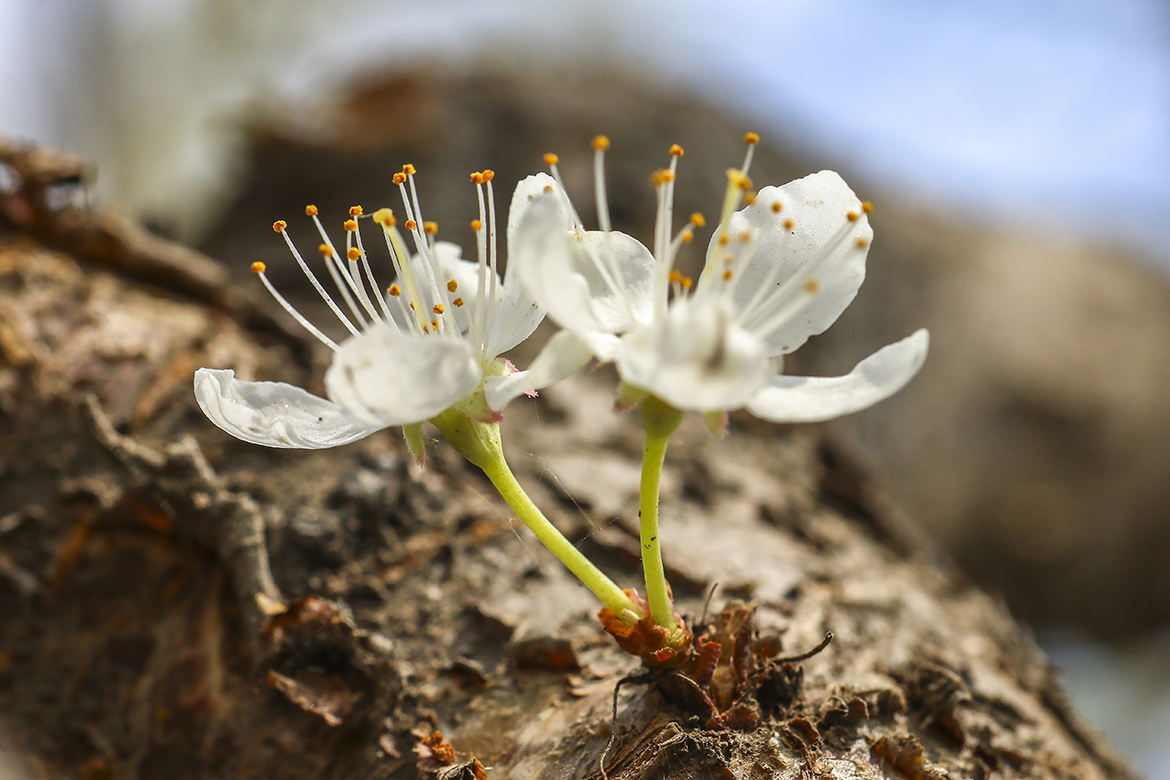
<point x="141" y="635"/>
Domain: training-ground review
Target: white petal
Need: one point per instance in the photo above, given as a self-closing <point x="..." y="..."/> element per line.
<point x="817" y="207"/>
<point x="275" y="414"/>
<point x="563" y="356"/>
<point x="559" y="269"/>
<point x="393" y="378"/>
<point x="517" y="316"/>
<point x="526" y="193"/>
<point x="698" y="358"/>
<point x="793" y="399"/>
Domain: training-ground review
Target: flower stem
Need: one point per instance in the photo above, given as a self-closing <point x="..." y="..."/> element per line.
<point x="480" y="444"/>
<point x="660" y="421"/>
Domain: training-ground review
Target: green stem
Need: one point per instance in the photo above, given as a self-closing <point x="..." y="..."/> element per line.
<point x="480" y="444"/>
<point x="660" y="420"/>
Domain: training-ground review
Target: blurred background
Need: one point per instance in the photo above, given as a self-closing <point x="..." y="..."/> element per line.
<point x="1018" y="154"/>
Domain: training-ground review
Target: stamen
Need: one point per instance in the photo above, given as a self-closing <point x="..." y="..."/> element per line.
<point x="437" y="308"/>
<point x="310" y="211"/>
<point x="355" y="211"/>
<point x="676" y="150"/>
<point x="494" y="279"/>
<point x="600" y="144"/>
<point x="411" y="224"/>
<point x="476" y="331"/>
<point x="338" y="272"/>
<point x="350" y="225"/>
<point x="316" y="284"/>
<point x="458" y="302"/>
<point x="697" y="220"/>
<point x="452" y="286"/>
<point x="259" y="269"/>
<point x="361" y="250"/>
<point x="751" y="139"/>
<point x="353" y="254"/>
<point x="279" y="225"/>
<point x="394" y="290"/>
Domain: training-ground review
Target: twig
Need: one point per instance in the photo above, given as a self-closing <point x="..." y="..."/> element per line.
<point x="189" y="490"/>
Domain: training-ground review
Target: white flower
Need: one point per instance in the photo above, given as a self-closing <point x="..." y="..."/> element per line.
<point x="777" y="272"/>
<point x="428" y="343"/>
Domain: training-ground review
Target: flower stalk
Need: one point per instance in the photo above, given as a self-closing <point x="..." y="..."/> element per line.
<point x="480" y="444"/>
<point x="660" y="421"/>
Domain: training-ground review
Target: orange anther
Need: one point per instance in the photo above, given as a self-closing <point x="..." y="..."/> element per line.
<point x="398" y="178"/>
<point x="458" y="302"/>
<point x="551" y="159"/>
<point x="351" y="225"/>
<point x="325" y="250"/>
<point x="353" y="253"/>
<point x="777" y="207"/>
<point x="675" y="277"/>
<point x="452" y="286"/>
<point x="548" y="188"/>
<point x="851" y="216"/>
<point x="355" y="211"/>
<point x="676" y="150"/>
<point x="751" y="138"/>
<point x="488" y="174"/>
<point x="394" y="290"/>
<point x="697" y="220"/>
<point x="867" y="207"/>
<point x="435" y="324"/>
<point x="727" y="274"/>
<point x="437" y="308"/>
<point x="411" y="224"/>
<point x="409" y="170"/>
<point x="477" y="178"/>
<point x="310" y="211"/>
<point x="744" y="182"/>
<point x="686" y="282"/>
<point x="789" y="224"/>
<point x="258" y="267"/>
<point x="688" y="237"/>
<point x="430" y="228"/>
<point x="723" y="239"/>
<point x="749" y="198"/>
<point x="600" y="143"/>
<point x="861" y="243"/>
<point x="279" y="225"/>
<point x="476" y="225"/>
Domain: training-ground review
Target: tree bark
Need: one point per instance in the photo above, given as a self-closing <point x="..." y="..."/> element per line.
<point x="177" y="604"/>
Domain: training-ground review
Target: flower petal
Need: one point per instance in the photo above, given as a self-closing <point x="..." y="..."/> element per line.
<point x="517" y="316"/>
<point x="792" y="399"/>
<point x="275" y="414"/>
<point x="393" y="378"/>
<point x="563" y="356"/>
<point x="562" y="270"/>
<point x="777" y="276"/>
<point x="525" y="194"/>
<point x="698" y="358"/>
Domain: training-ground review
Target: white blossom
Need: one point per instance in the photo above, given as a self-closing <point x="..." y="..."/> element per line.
<point x="775" y="273"/>
<point x="428" y="342"/>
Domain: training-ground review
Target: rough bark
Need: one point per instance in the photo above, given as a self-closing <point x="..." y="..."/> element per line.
<point x="424" y="630"/>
